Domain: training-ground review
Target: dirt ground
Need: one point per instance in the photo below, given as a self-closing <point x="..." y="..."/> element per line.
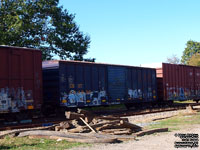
<point x="160" y="141"/>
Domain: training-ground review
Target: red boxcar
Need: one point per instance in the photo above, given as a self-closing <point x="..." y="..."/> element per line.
<point x="20" y="79"/>
<point x="178" y="82"/>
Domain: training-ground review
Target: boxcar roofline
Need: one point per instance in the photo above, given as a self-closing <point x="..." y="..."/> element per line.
<point x="15" y="47"/>
<point x="55" y="63"/>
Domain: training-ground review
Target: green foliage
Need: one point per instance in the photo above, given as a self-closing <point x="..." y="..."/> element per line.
<point x="194" y="60"/>
<point x="89" y="59"/>
<point x="44" y="25"/>
<point x="191" y="49"/>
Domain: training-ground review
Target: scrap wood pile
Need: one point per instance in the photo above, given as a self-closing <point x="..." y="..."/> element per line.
<point x="84" y="122"/>
<point x="86" y="127"/>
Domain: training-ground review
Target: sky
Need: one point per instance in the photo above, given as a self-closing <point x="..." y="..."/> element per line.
<point x="135" y="32"/>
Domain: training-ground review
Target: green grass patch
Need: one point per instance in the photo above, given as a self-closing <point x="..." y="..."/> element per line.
<point x="177" y="122"/>
<point x="24" y="143"/>
<point x="188" y="101"/>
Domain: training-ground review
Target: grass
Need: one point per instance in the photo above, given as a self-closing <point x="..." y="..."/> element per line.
<point x="188" y="101"/>
<point x="24" y="143"/>
<point x="177" y="122"/>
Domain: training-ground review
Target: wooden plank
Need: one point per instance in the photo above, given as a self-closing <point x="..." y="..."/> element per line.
<point x="78" y="129"/>
<point x="147" y="132"/>
<point x="73" y="115"/>
<point x="106" y="126"/>
<point x="18" y="131"/>
<point x="130" y="125"/>
<point x="85" y="112"/>
<point x="88" y="125"/>
<point x="88" y="119"/>
<point x="83" y="138"/>
<point x="104" y="123"/>
<point x="121" y="131"/>
<point x="65" y="125"/>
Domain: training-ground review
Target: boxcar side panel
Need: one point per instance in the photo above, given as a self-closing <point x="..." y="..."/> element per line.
<point x="51" y="85"/>
<point x="141" y="85"/>
<point x="117" y="77"/>
<point x="90" y="84"/>
<point x="180" y="82"/>
<point x="20" y="79"/>
<point x="197" y="83"/>
<point x="37" y="79"/>
<point x="144" y="83"/>
<point x="4" y="67"/>
<point x="134" y="86"/>
<point x="84" y="85"/>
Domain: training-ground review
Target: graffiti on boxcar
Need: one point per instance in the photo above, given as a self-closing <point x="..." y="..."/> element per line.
<point x="172" y="93"/>
<point x="139" y="94"/>
<point x="76" y="98"/>
<point x="180" y="93"/>
<point x="135" y="94"/>
<point x="14" y="99"/>
<point x="149" y="93"/>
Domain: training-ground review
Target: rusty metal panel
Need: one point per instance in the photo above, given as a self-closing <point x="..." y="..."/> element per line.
<point x="179" y="82"/>
<point x="37" y="78"/>
<point x="197" y="82"/>
<point x="20" y="79"/>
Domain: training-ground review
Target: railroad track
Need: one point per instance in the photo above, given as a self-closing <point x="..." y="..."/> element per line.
<point x="123" y="113"/>
<point x="116" y="113"/>
<point x="35" y="123"/>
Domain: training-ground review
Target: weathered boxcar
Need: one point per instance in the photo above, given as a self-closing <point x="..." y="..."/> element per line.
<point x="77" y="84"/>
<point x="20" y="79"/>
<point x="178" y="82"/>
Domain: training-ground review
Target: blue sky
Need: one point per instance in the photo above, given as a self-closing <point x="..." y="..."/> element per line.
<point x="134" y="32"/>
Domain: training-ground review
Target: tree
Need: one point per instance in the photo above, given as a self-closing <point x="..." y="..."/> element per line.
<point x="192" y="48"/>
<point x="173" y="59"/>
<point x="194" y="60"/>
<point x="44" y="25"/>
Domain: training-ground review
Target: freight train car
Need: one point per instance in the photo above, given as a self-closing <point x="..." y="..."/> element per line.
<point x="20" y="79"/>
<point x="80" y="84"/>
<point x="178" y="82"/>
